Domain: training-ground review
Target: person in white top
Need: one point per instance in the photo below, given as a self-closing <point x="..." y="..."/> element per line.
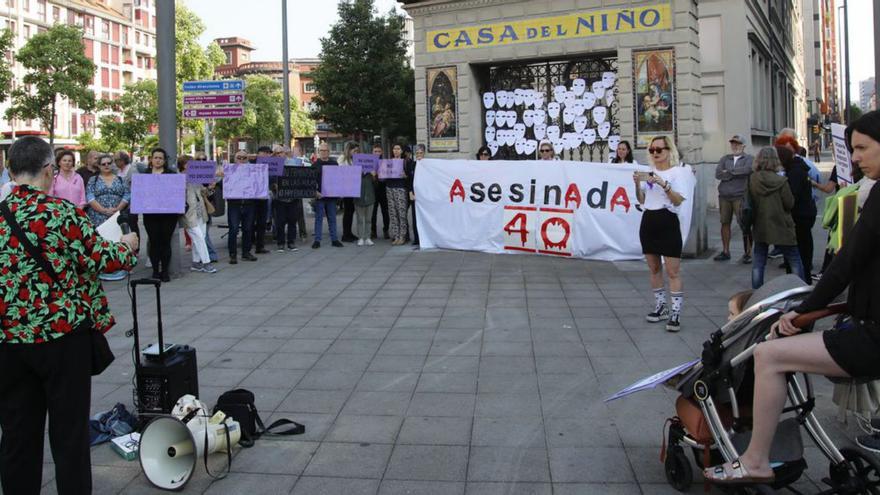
<point x="661" y="194"/>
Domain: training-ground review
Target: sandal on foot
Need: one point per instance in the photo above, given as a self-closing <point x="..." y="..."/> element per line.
<point x="734" y="473"/>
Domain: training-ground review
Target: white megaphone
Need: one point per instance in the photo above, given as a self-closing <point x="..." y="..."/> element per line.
<point x="170" y="446"/>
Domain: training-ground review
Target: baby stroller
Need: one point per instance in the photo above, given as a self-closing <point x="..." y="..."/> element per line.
<point x="713" y="411"/>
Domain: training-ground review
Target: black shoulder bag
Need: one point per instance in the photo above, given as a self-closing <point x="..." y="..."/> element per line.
<point x="102" y="356"/>
<point x="239" y="404"/>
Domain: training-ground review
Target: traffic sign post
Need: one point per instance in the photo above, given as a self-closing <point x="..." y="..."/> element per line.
<point x="202" y="86"/>
<point x="223" y="99"/>
<point x="230" y="99"/>
<point x="214" y="113"/>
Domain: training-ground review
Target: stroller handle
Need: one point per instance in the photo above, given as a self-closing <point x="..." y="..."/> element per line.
<point x="813" y="316"/>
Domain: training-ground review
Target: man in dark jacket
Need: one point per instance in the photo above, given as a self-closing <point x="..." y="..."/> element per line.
<point x="733" y="171"/>
<point x="804" y="210"/>
<point x="323" y="204"/>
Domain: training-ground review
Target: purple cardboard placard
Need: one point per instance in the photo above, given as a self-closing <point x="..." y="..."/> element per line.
<point x="276" y="164"/>
<point x="391" y="169"/>
<point x="368" y="163"/>
<point x="201" y="172"/>
<point x="341" y="182"/>
<point x="250" y="181"/>
<point x="158" y="193"/>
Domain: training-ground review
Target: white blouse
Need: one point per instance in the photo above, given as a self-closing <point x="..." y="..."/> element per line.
<point x="656" y="198"/>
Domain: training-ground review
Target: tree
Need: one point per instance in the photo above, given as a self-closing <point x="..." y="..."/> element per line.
<point x="136" y="113"/>
<point x="6" y="76"/>
<point x="263" y="119"/>
<point x="854" y="113"/>
<point x="57" y="67"/>
<point x="364" y="83"/>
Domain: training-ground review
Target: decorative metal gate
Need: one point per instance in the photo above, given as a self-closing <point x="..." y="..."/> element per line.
<point x="544" y="78"/>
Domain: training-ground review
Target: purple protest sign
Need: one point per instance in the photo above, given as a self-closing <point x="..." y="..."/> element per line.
<point x="246" y="181"/>
<point x="341" y="182"/>
<point x="391" y="169"/>
<point x="368" y="163"/>
<point x="201" y="172"/>
<point x="275" y="163"/>
<point x="158" y="193"/>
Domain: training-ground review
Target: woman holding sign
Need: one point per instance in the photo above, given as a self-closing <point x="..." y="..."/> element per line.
<point x="397" y="202"/>
<point x="348" y="203"/>
<point x="160" y="226"/>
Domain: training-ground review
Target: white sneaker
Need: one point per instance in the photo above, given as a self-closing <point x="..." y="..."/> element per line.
<point x="368" y="242"/>
<point x="360" y="242"/>
<point x="209" y="268"/>
<point x="149" y="263"/>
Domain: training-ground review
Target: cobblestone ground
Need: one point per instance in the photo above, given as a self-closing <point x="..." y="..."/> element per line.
<point x="433" y="372"/>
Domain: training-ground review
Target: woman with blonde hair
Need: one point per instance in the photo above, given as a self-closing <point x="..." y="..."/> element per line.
<point x="351" y="148"/>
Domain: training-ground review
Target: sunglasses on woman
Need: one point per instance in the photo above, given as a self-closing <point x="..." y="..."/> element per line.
<point x="545" y="150"/>
<point x="656" y="150"/>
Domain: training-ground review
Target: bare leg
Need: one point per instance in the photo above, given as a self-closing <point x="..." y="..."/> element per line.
<point x="656" y="270"/>
<point x="773" y="359"/>
<point x="747" y="244"/>
<point x="725" y="237"/>
<point x="673" y="269"/>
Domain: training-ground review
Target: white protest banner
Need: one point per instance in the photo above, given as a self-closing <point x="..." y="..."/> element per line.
<point x="576" y="209"/>
<point x="842" y="158"/>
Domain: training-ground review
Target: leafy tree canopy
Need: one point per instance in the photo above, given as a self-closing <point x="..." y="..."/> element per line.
<point x="6" y="76"/>
<point x="136" y="112"/>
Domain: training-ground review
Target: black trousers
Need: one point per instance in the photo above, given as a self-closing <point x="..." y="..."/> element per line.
<point x="381" y="202"/>
<point x="260" y="216"/>
<point x="286" y="216"/>
<point x="415" y="226"/>
<point x="160" y="229"/>
<point x="803" y="228"/>
<point x="347" y="218"/>
<point x="53" y="377"/>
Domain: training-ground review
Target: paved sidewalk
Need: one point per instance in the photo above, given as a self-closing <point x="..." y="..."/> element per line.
<point x="432" y="372"/>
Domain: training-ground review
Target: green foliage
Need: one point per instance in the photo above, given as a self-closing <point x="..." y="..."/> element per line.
<point x="56" y="67"/>
<point x="88" y="142"/>
<point x="193" y="63"/>
<point x="6" y="76"/>
<point x="364" y="82"/>
<point x="136" y="112"/>
<point x="854" y="113"/>
<point x="263" y="119"/>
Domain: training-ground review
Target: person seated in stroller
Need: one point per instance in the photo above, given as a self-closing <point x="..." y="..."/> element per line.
<point x="838" y="353"/>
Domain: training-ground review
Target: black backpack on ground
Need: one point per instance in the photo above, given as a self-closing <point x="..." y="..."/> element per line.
<point x="239" y="404"/>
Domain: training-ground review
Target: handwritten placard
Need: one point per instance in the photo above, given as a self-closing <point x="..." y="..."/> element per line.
<point x="158" y="193"/>
<point x="368" y="163"/>
<point x="341" y="182"/>
<point x="275" y="163"/>
<point x="246" y="181"/>
<point x="201" y="172"/>
<point x="391" y="169"/>
<point x="297" y="183"/>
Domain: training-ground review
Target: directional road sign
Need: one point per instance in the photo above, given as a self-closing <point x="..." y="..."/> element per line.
<point x="224" y="99"/>
<point x="222" y="85"/>
<point x="213" y="113"/>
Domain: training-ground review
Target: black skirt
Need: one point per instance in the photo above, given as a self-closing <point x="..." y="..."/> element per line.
<point x="855" y="348"/>
<point x="660" y="233"/>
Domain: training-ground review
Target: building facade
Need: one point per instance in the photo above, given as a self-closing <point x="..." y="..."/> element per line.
<point x="119" y="37"/>
<point x="866" y="93"/>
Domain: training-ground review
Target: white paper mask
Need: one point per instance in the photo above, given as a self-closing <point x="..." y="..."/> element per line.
<point x="518" y="96"/>
<point x="500" y="118"/>
<point x="613" y="141"/>
<point x="540" y="116"/>
<point x="608" y="79"/>
<point x="510" y="100"/>
<point x="531" y="146"/>
<point x="489" y="134"/>
<point x="501" y="98"/>
<point x="493" y="147"/>
<point x="609" y="97"/>
<point x="568" y="115"/>
<point x="604" y="129"/>
<point x="510" y="118"/>
<point x="559" y="146"/>
<point x="510" y="138"/>
<point x="579" y="86"/>
<point x="490" y="117"/>
<point x="540" y="131"/>
<point x="599" y="114"/>
<point x="520" y="146"/>
<point x="540" y="99"/>
<point x="579" y="106"/>
<point x="559" y="93"/>
<point x="580" y="123"/>
<point x="528" y="97"/>
<point x="520" y="130"/>
<point x="569" y="98"/>
<point x="553" y="132"/>
<point x="589" y="136"/>
<point x="598" y="87"/>
<point x="553" y="110"/>
<point x="488" y="100"/>
<point x="529" y="118"/>
<point x="572" y="140"/>
<point x="589" y="100"/>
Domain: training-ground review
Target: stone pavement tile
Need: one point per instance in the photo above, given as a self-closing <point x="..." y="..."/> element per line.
<point x="590" y="464"/>
<point x="563" y="364"/>
<point x="405" y="347"/>
<point x="368" y="429"/>
<point x="555" y="336"/>
<point x="273" y="378"/>
<point x="313" y="485"/>
<point x="511" y="488"/>
<point x="559" y="349"/>
<point x="354" y="460"/>
<point x="222" y="377"/>
<point x="255" y="345"/>
<point x="582" y="432"/>
<point x="364" y="333"/>
<point x="610" y="365"/>
<point x="464" y="383"/>
<point x="304" y="345"/>
<point x="343" y="362"/>
<point x="354" y="346"/>
<point x="613" y="349"/>
<point x="647" y="467"/>
<point x="382" y="319"/>
<point x="508" y="334"/>
<point x="506" y="364"/>
<point x="509" y="432"/>
<point x="600" y="323"/>
<point x="291" y="360"/>
<point x="600" y="489"/>
<point x="459" y="335"/>
<point x="237" y="359"/>
<point x="219" y="344"/>
<point x="268" y="456"/>
<point x="494" y="348"/>
<point x="403" y="333"/>
<point x="435" y="431"/>
<point x="316" y="425"/>
<point x="430" y="311"/>
<point x="441" y="404"/>
<point x="508" y="405"/>
<point x="329" y="380"/>
<point x="515" y="383"/>
<point x="468" y="347"/>
<point x="404" y="364"/>
<point x="387" y="382"/>
<point x="508" y="464"/>
<point x="279" y="333"/>
<point x="377" y="403"/>
<point x="461" y="322"/>
<point x="308" y="332"/>
<point x="452" y="364"/>
<point x="253" y="484"/>
<point x="396" y="487"/>
<point x="300" y="311"/>
<point x="428" y="462"/>
<point x="314" y="401"/>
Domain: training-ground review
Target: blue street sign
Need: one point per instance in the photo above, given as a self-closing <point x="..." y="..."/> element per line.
<point x="229" y="85"/>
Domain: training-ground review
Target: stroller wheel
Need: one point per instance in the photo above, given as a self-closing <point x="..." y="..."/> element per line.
<point x="866" y="471"/>
<point x="679" y="472"/>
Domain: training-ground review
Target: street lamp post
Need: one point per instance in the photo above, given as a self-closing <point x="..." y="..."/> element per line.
<point x="167" y="80"/>
<point x="285" y="70"/>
